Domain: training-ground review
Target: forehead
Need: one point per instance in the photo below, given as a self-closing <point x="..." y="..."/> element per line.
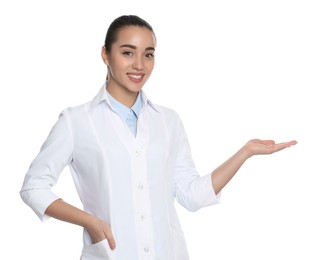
<point x="135" y="35"/>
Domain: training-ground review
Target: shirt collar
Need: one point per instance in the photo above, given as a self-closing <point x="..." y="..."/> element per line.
<point x="123" y="110"/>
<point x="138" y="105"/>
<point x="104" y="95"/>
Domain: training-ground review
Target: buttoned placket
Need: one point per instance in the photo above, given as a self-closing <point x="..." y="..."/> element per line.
<point x="141" y="194"/>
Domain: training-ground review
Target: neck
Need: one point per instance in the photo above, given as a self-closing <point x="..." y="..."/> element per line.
<point x="122" y="95"/>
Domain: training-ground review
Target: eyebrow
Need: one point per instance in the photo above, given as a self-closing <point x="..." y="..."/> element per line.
<point x="134" y="47"/>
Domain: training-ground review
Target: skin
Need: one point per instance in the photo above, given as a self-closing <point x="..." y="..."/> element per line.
<point x="130" y="64"/>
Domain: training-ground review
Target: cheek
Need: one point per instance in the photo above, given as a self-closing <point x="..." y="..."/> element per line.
<point x="150" y="65"/>
<point x="120" y="65"/>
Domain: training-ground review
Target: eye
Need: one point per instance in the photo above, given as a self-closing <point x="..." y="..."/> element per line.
<point x="127" y="53"/>
<point x="149" y="55"/>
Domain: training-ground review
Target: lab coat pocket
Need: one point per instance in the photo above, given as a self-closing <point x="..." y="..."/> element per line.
<point x="98" y="251"/>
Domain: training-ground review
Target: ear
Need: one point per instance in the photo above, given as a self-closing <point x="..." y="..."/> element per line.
<point x="104" y="55"/>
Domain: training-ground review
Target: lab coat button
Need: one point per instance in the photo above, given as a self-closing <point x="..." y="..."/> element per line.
<point x="137" y="153"/>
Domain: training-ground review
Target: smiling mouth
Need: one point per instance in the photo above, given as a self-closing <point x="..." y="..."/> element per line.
<point x="135" y="77"/>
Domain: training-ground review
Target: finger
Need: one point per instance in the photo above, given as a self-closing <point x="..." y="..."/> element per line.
<point x="111" y="243"/>
<point x="293" y="142"/>
<point x="110" y="238"/>
<point x="287" y="144"/>
<point x="281" y="146"/>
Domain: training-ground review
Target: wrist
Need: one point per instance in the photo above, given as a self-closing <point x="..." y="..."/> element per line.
<point x="246" y="152"/>
<point x="87" y="220"/>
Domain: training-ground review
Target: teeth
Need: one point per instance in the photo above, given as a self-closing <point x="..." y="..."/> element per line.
<point x="135" y="76"/>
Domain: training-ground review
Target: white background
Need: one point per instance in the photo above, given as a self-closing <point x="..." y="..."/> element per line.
<point x="233" y="70"/>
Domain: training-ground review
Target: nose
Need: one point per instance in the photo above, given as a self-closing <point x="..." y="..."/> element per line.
<point x="138" y="63"/>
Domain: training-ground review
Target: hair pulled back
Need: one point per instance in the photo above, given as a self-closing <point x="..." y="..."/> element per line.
<point x="121" y="22"/>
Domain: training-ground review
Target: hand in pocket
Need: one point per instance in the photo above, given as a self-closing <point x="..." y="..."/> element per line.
<point x="100" y="230"/>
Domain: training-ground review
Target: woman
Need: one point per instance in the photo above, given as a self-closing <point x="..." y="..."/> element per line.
<point x="129" y="159"/>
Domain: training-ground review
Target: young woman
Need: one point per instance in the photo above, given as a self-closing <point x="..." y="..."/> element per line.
<point x="129" y="159"/>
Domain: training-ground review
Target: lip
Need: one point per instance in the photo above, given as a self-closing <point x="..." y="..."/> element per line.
<point x="136" y="77"/>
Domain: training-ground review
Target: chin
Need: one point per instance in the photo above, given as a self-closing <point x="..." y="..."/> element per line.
<point x="136" y="88"/>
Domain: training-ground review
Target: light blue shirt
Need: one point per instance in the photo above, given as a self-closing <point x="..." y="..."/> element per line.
<point x="128" y="115"/>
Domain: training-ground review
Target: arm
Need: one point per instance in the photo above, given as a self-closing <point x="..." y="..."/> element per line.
<point x="55" y="154"/>
<point x="97" y="229"/>
<point x="191" y="190"/>
<point x="225" y="172"/>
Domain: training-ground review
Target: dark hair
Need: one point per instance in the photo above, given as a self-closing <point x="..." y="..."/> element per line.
<point x="119" y="23"/>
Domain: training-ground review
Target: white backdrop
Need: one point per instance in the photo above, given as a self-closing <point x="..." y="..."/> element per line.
<point x="233" y="70"/>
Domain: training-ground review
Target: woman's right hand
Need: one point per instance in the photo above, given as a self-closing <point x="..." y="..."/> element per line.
<point x="97" y="228"/>
<point x="100" y="230"/>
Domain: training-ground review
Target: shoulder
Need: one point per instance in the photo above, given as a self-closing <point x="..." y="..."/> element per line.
<point x="169" y="115"/>
<point x="167" y="111"/>
<point x="78" y="115"/>
<point x="162" y="110"/>
<point x="75" y="111"/>
<point x="81" y="109"/>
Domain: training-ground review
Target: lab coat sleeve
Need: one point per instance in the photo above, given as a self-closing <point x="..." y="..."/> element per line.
<point x="192" y="191"/>
<point x="44" y="171"/>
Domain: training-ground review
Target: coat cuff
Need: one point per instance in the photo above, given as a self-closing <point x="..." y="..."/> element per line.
<point x="39" y="200"/>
